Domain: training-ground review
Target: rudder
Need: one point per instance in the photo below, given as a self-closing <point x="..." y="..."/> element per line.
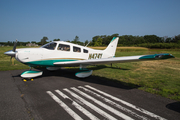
<point x="111" y="48"/>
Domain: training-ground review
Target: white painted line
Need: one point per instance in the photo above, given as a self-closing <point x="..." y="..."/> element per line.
<point x="114" y="104"/>
<point x="114" y="111"/>
<point x="80" y="108"/>
<point x="93" y="107"/>
<point x="128" y="104"/>
<point x="64" y="106"/>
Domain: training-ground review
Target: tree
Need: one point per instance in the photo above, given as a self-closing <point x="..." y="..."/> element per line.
<point x="33" y="42"/>
<point x="98" y="42"/>
<point x="76" y="40"/>
<point x="56" y="39"/>
<point x="152" y="38"/>
<point x="122" y="40"/>
<point x="168" y="40"/>
<point x="43" y="40"/>
<point x="176" y="39"/>
<point x="94" y="39"/>
<point x="115" y="35"/>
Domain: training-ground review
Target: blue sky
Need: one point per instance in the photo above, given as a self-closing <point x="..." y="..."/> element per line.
<point x="30" y="20"/>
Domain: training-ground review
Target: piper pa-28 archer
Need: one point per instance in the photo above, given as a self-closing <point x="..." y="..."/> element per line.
<point x="64" y="54"/>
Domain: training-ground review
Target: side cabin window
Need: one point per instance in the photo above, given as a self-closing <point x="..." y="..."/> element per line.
<point x="63" y="47"/>
<point x="76" y="49"/>
<point x="50" y="46"/>
<point x="85" y="51"/>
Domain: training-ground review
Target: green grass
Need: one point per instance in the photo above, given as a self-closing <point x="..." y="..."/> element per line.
<point x="158" y="77"/>
<point x="6" y="64"/>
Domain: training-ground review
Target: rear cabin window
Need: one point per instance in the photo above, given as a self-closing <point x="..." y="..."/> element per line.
<point x="85" y="51"/>
<point x="76" y="49"/>
<point x="63" y="47"/>
<point x="50" y="46"/>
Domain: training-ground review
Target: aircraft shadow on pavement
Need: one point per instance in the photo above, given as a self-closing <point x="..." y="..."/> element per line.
<point x="105" y="66"/>
<point x="174" y="106"/>
<point x="70" y="73"/>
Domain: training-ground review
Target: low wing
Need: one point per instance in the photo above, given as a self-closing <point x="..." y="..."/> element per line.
<point x="115" y="60"/>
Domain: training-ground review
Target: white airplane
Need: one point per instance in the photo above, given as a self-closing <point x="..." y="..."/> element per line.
<point x="64" y="54"/>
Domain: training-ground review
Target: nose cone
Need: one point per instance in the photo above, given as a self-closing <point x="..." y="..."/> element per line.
<point x="10" y="53"/>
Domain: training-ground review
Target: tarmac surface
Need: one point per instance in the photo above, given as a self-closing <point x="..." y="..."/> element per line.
<point x="60" y="95"/>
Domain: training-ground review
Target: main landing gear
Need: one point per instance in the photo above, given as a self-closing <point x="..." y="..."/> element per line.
<point x="84" y="72"/>
<point x="30" y="74"/>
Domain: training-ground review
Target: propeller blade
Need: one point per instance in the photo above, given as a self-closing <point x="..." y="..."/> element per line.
<point x="14" y="48"/>
<point x="12" y="53"/>
<point x="12" y="60"/>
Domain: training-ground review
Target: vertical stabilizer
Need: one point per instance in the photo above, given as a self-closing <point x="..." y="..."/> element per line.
<point x="111" y="48"/>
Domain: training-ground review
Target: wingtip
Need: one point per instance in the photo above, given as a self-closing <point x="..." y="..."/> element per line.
<point x="157" y="56"/>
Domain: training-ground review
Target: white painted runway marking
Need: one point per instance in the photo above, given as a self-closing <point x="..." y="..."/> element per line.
<point x="114" y="104"/>
<point x="90" y="98"/>
<point x="63" y="105"/>
<point x="106" y="115"/>
<point x="103" y="105"/>
<point x="80" y="108"/>
<point x="128" y="104"/>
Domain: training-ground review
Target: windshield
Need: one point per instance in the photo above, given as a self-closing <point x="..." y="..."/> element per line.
<point x="50" y="46"/>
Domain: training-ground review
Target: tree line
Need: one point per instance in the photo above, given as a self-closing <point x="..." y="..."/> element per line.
<point x="150" y="41"/>
<point x="129" y="40"/>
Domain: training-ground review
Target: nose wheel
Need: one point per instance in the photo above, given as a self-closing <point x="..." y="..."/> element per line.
<point x="25" y="80"/>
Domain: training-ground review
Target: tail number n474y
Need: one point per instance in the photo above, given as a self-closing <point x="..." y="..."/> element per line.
<point x="95" y="56"/>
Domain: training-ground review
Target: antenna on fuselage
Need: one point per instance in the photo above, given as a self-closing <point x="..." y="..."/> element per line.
<point x="87" y="44"/>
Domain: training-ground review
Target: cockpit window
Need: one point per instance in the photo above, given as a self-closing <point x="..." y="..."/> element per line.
<point x="50" y="46"/>
<point x="63" y="47"/>
<point x="85" y="51"/>
<point x="76" y="49"/>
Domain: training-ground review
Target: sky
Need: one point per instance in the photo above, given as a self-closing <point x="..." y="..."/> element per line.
<point x="31" y="20"/>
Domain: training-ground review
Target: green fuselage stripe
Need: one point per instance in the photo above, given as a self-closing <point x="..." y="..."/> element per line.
<point x="47" y="63"/>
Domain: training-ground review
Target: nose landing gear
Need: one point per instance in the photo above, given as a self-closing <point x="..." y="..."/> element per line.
<point x="30" y="74"/>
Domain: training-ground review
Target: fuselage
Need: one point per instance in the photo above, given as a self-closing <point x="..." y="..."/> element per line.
<point x="58" y="51"/>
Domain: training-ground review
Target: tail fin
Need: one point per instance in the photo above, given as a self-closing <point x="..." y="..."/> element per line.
<point x="111" y="48"/>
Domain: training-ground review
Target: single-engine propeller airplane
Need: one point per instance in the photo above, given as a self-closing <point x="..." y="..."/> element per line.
<point x="58" y="54"/>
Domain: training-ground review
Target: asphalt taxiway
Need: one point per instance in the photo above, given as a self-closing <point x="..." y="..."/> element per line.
<point x="60" y="95"/>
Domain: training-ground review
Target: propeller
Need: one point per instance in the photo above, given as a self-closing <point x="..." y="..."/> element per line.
<point x="12" y="52"/>
<point x="12" y="60"/>
<point x="14" y="48"/>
